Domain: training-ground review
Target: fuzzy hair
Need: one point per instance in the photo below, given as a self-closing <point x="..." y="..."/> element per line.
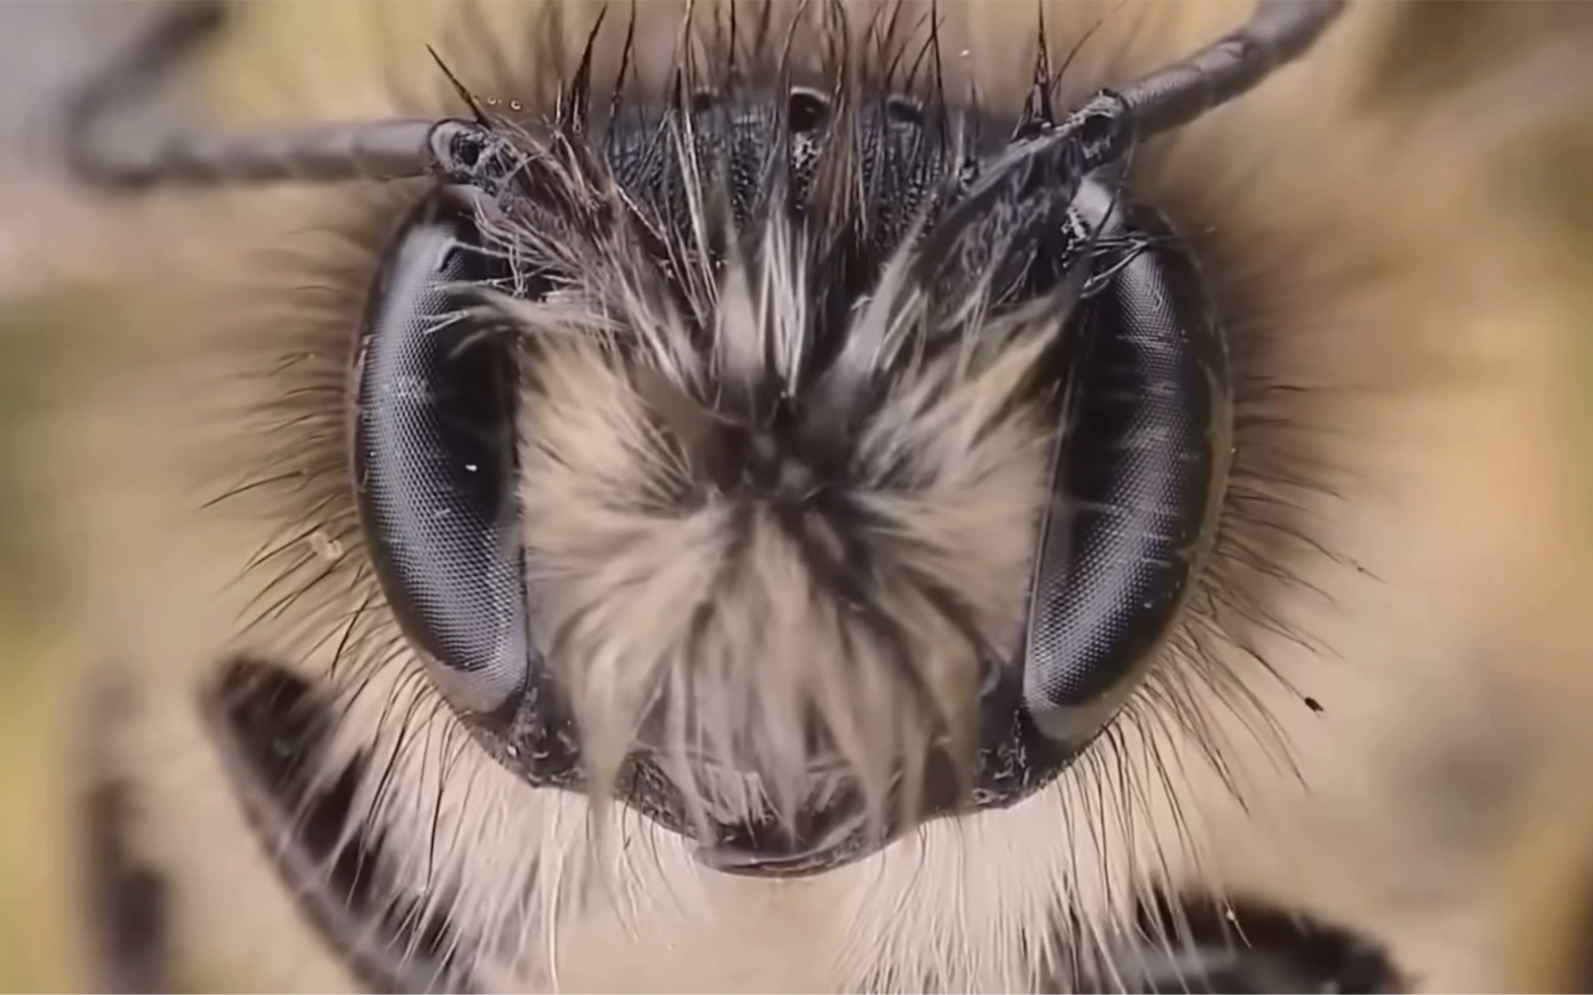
<point x="1339" y="303"/>
<point x="665" y="582"/>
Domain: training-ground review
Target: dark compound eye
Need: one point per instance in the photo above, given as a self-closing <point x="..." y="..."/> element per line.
<point x="434" y="457"/>
<point x="1143" y="450"/>
<point x="1138" y="479"/>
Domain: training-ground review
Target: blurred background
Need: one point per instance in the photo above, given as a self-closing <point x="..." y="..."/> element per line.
<point x="46" y="46"/>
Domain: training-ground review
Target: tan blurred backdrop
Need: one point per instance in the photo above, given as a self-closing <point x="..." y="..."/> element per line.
<point x="52" y="327"/>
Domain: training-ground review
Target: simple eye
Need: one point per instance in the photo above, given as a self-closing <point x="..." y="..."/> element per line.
<point x="1137" y="484"/>
<point x="434" y="458"/>
<point x="807" y="110"/>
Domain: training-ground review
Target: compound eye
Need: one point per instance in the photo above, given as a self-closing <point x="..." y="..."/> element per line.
<point x="1137" y="484"/>
<point x="434" y="461"/>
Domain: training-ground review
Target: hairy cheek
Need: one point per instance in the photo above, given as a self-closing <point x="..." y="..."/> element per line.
<point x="585" y="438"/>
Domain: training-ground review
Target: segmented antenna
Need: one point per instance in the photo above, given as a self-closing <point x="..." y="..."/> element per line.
<point x="1278" y="32"/>
<point x="315" y="154"/>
